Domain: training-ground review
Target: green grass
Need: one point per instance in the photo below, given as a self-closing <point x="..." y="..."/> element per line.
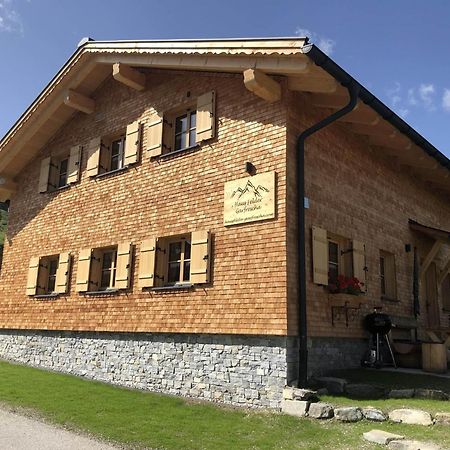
<point x="143" y="419"/>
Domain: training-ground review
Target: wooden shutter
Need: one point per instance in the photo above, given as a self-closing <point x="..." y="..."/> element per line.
<point x="320" y="256"/>
<point x="359" y="262"/>
<point x="44" y="176"/>
<point x="62" y="274"/>
<point x="123" y="265"/>
<point x="33" y="273"/>
<point x="206" y="116"/>
<point x="73" y="167"/>
<point x="132" y="143"/>
<point x="93" y="157"/>
<point x="84" y="267"/>
<point x="390" y="277"/>
<point x="155" y="134"/>
<point x="200" y="257"/>
<point x="146" y="277"/>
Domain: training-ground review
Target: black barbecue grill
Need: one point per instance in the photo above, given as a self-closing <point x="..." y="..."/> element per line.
<point x="380" y="350"/>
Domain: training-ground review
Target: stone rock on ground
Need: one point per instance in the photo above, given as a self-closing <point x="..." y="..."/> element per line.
<point x="412" y="445"/>
<point x="432" y="394"/>
<point x="411" y="416"/>
<point x="442" y="418"/>
<point x="401" y="393"/>
<point x="334" y="385"/>
<point x="348" y="414"/>
<point x="296" y="408"/>
<point x="373" y="414"/>
<point x="360" y="390"/>
<point x="291" y="393"/>
<point x="381" y="437"/>
<point x="320" y="411"/>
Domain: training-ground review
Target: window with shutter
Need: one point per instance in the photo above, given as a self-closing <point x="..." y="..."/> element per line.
<point x="83" y="270"/>
<point x="359" y="263"/>
<point x="42" y="273"/>
<point x="93" y="157"/>
<point x="44" y="176"/>
<point x="200" y="261"/>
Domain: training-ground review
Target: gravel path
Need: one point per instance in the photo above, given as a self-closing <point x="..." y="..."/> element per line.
<point x="23" y="433"/>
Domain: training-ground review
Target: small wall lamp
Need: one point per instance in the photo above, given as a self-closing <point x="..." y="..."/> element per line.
<point x="250" y="168"/>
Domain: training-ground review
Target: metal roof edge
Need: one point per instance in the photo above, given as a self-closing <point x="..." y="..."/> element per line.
<point x="343" y="77"/>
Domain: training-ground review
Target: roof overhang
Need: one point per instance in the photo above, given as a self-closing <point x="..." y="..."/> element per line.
<point x="307" y="69"/>
<point x="434" y="233"/>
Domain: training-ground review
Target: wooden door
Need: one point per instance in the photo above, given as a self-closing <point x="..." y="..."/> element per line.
<point x="431" y="297"/>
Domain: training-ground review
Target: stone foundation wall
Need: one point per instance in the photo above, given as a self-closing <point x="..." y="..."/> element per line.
<point x="325" y="354"/>
<point x="247" y="370"/>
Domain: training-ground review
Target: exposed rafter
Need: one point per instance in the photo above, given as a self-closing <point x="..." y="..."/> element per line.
<point x="129" y="76"/>
<point x="361" y="114"/>
<point x="262" y="85"/>
<point x="79" y="102"/>
<point x="430" y="257"/>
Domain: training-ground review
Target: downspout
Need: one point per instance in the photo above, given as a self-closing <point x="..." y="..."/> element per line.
<point x="353" y="90"/>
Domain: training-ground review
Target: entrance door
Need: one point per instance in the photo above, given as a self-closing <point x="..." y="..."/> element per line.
<point x="431" y="293"/>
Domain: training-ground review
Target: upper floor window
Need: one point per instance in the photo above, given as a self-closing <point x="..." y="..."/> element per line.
<point x="179" y="260"/>
<point x="182" y="127"/>
<point x="117" y="153"/>
<point x="114" y="152"/>
<point x="108" y="269"/>
<point x="62" y="176"/>
<point x="59" y="171"/>
<point x="185" y="134"/>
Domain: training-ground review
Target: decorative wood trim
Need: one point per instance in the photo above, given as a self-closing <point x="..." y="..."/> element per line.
<point x="79" y="102"/>
<point x="262" y="85"/>
<point x="430" y="257"/>
<point x="129" y="76"/>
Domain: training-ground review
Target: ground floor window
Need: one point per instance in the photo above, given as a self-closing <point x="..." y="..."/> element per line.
<point x="179" y="260"/>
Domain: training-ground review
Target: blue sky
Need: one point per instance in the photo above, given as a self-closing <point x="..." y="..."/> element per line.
<point x="397" y="49"/>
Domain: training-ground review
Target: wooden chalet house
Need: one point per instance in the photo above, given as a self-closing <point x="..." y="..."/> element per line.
<point x="193" y="216"/>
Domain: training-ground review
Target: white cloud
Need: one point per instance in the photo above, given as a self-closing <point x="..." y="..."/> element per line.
<point x="395" y="95"/>
<point x="326" y="44"/>
<point x="426" y="94"/>
<point x="10" y="20"/>
<point x="446" y="100"/>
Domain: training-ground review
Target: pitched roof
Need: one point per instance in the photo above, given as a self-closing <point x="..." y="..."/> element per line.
<point x="306" y="67"/>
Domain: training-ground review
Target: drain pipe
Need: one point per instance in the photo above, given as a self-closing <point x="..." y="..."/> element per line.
<point x="353" y="90"/>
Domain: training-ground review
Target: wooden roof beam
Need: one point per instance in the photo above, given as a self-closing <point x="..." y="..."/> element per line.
<point x="79" y="102"/>
<point x="361" y="114"/>
<point x="262" y="85"/>
<point x="430" y="257"/>
<point x="129" y="76"/>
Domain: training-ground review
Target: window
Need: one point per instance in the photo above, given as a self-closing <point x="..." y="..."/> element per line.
<point x="175" y="261"/>
<point x="183" y="127"/>
<point x="104" y="268"/>
<point x="179" y="260"/>
<point x="388" y="286"/>
<point x="185" y="130"/>
<point x="51" y="278"/>
<point x="63" y="167"/>
<point x="117" y="154"/>
<point x="445" y="289"/>
<point x="334" y="256"/>
<point x="48" y="265"/>
<point x="108" y="269"/>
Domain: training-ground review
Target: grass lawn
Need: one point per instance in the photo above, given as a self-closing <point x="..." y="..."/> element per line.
<point x="143" y="419"/>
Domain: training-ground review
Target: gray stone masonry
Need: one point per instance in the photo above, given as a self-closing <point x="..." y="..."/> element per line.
<point x="243" y="370"/>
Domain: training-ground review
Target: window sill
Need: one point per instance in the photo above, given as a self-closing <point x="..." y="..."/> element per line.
<point x="111" y="172"/>
<point x="105" y="292"/>
<point x="390" y="300"/>
<point x="52" y="295"/>
<point x="175" y="287"/>
<point x="178" y="152"/>
<point x="62" y="188"/>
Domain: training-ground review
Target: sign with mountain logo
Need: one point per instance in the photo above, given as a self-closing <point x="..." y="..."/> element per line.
<point x="249" y="199"/>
